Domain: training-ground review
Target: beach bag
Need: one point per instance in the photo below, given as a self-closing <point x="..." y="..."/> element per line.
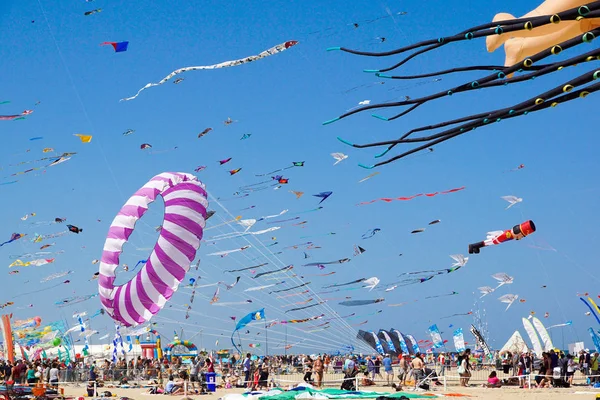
<point x="460" y="369"/>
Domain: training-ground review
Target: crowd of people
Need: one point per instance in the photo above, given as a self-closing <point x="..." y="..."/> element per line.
<point x="174" y="375"/>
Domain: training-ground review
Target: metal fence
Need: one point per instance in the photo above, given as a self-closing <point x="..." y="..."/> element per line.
<point x="285" y="376"/>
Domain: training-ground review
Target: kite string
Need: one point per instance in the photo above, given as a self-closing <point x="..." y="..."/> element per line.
<point x="325" y="306"/>
<point x="241" y="264"/>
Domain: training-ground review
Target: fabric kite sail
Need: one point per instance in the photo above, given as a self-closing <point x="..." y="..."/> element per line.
<point x="387" y="339"/>
<point x="397" y="336"/>
<point x="459" y="340"/>
<point x="371" y="339"/>
<point x="436" y="336"/>
<point x="535" y="341"/>
<point x="226" y="64"/>
<point x="541" y="329"/>
<point x="413" y="343"/>
<point x="481" y="343"/>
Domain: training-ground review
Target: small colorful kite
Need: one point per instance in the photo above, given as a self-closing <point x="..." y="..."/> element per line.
<point x="97" y="10"/>
<point x="369" y="177"/>
<point x="83" y="138"/>
<point x="13" y="237"/>
<point x="118" y="46"/>
<point x="234" y="171"/>
<point x="128" y="132"/>
<point x="297" y="194"/>
<point x="390" y="199"/>
<point x="204" y="132"/>
<point x="233" y="63"/>
<point x="245" y="136"/>
<point x="323" y="196"/>
<point x="17" y="116"/>
<point x="74" y="229"/>
<point x="225" y="161"/>
<point x="145" y="146"/>
<point x="294" y="164"/>
<point x="370" y="233"/>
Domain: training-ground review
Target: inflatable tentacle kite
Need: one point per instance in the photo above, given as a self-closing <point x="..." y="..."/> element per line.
<point x="537" y="103"/>
<point x="549" y="41"/>
<point x="591" y="10"/>
<point x="485" y="82"/>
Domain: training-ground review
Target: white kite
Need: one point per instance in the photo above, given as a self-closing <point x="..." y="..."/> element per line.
<point x="339" y="157"/>
<point x="461" y="260"/>
<point x="233" y="63"/>
<point x="226" y="252"/>
<point x="485" y="290"/>
<point x="371" y="283"/>
<point x="512" y="200"/>
<point x="503" y="278"/>
<point x="508" y="299"/>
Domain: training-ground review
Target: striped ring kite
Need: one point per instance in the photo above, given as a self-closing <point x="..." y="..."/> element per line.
<point x="136" y="301"/>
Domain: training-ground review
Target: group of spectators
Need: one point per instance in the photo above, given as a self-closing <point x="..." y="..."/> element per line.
<point x="29" y="373"/>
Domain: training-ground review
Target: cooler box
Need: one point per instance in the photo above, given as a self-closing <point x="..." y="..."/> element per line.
<point x="211" y="381"/>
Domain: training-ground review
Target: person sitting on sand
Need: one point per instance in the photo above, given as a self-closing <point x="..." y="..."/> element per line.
<point x="174" y="387"/>
<point x="366" y="381"/>
<point x="493" y="381"/>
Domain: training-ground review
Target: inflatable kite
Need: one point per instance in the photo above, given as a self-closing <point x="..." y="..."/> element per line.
<point x="269" y="52"/>
<point x="555" y="26"/>
<point x="517" y="232"/>
<point x="138" y="300"/>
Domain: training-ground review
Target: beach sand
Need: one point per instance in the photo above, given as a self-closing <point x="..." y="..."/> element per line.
<point x="505" y="393"/>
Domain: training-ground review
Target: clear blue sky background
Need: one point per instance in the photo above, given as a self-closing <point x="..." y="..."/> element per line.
<point x="282" y="101"/>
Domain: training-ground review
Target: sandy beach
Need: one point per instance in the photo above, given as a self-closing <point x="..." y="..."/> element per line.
<point x="505" y="393"/>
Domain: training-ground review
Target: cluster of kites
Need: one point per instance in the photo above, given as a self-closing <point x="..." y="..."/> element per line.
<point x="172" y="263"/>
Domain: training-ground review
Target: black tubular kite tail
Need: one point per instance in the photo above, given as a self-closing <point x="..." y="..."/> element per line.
<point x="454" y="70"/>
<point x="500" y="27"/>
<point x="587" y="37"/>
<point x="589" y="56"/>
<point x="508" y="113"/>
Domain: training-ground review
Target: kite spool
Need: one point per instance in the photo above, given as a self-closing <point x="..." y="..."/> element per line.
<point x="136" y="301"/>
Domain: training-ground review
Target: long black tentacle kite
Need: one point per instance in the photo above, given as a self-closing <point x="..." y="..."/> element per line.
<point x="501" y="76"/>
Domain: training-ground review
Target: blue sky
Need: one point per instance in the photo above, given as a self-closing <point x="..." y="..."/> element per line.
<point x="51" y="55"/>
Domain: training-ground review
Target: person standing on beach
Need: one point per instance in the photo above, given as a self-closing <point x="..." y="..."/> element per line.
<point x="418" y="368"/>
<point x="247" y="364"/>
<point x="442" y="362"/>
<point x="318" y="368"/>
<point x="594" y="367"/>
<point x="464" y="368"/>
<point x="389" y="371"/>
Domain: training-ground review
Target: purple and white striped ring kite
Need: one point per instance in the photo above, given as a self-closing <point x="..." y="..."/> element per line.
<point x="146" y="294"/>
